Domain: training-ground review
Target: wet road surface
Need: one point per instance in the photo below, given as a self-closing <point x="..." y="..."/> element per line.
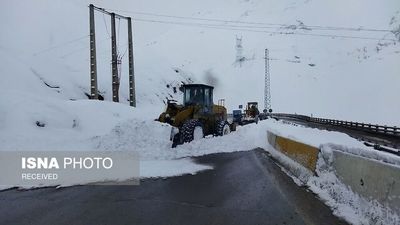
<point x="244" y="188"/>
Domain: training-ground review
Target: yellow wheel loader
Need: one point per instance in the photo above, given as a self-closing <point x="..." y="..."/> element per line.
<point x="251" y="113"/>
<point x="197" y="117"/>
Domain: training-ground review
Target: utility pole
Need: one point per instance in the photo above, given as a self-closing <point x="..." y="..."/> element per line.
<point x="93" y="64"/>
<point x="132" y="94"/>
<point x="114" y="63"/>
<point x="267" y="88"/>
<point x="115" y="60"/>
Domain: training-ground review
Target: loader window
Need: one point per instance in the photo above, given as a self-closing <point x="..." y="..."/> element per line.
<point x="208" y="96"/>
<point x="194" y="95"/>
<point x="197" y="95"/>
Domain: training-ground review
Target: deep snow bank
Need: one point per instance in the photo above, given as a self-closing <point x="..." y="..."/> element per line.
<point x="151" y="140"/>
<point x="35" y="123"/>
<point x="31" y="122"/>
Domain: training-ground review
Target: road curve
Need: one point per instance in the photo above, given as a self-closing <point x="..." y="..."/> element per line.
<point x="244" y="188"/>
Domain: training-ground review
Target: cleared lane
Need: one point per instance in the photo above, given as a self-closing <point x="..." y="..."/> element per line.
<point x="244" y="188"/>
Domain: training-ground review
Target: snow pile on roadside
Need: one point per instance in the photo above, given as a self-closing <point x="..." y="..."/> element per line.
<point x="33" y="123"/>
<point x="344" y="202"/>
<point x="369" y="153"/>
<point x="316" y="137"/>
<point x="151" y="140"/>
<point x="311" y="136"/>
<point x="30" y="122"/>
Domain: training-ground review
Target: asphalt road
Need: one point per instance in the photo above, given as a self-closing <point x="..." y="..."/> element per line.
<point x="244" y="188"/>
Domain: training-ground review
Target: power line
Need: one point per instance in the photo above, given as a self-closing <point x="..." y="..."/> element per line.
<point x="233" y="27"/>
<point x="280" y="25"/>
<point x="84" y="48"/>
<point x="105" y="24"/>
<point x="60" y="45"/>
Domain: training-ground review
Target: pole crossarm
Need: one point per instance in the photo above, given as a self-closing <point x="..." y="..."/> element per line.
<point x="109" y="13"/>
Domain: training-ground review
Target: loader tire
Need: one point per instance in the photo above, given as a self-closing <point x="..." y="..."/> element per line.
<point x="222" y="128"/>
<point x="191" y="130"/>
<point x="176" y="140"/>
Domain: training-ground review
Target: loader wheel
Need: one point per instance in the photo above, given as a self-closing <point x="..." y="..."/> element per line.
<point x="192" y="130"/>
<point x="176" y="141"/>
<point x="222" y="128"/>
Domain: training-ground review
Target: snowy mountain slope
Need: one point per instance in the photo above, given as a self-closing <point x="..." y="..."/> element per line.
<point x="337" y="77"/>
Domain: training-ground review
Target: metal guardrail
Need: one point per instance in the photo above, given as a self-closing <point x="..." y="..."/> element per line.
<point x="371" y="128"/>
<point x="379" y="136"/>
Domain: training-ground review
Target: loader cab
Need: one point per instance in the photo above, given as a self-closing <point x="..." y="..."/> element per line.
<point x="251" y="105"/>
<point x="198" y="94"/>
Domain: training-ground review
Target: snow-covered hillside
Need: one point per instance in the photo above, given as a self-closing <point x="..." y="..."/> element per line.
<point x="314" y="69"/>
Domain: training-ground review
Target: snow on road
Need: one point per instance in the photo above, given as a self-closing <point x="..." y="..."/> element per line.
<point x="71" y="125"/>
<point x="49" y="124"/>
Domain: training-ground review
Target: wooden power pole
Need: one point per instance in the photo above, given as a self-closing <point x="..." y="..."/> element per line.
<point x="93" y="64"/>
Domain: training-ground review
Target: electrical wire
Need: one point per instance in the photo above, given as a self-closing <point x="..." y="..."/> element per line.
<point x="60" y="45"/>
<point x="84" y="48"/>
<point x="105" y="24"/>
<point x="230" y="27"/>
<point x="282" y="25"/>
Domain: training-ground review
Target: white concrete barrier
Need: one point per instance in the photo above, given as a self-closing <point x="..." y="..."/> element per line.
<point x="371" y="174"/>
<point x="372" y="179"/>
